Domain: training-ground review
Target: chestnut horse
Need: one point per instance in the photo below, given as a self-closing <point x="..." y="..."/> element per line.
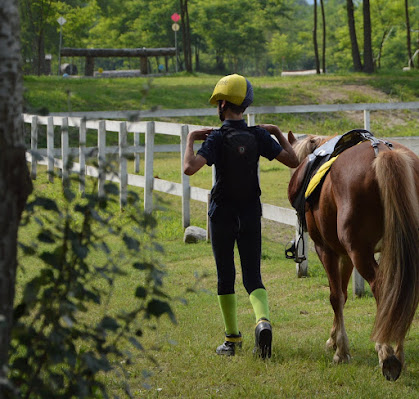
<point x="368" y="203"/>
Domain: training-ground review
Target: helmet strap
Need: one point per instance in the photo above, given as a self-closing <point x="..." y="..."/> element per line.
<point x="221" y="110"/>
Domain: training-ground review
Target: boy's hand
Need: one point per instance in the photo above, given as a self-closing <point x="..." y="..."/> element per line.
<point x="200" y="134"/>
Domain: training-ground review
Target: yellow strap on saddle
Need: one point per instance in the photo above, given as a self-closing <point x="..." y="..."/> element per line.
<point x="317" y="178"/>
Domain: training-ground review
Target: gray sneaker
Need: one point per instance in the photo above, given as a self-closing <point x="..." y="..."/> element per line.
<point x="228" y="348"/>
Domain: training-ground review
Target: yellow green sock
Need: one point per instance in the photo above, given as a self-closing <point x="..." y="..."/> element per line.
<point x="259" y="300"/>
<point x="228" y="306"/>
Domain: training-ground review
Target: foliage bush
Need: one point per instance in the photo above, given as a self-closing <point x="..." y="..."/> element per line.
<point x="60" y="345"/>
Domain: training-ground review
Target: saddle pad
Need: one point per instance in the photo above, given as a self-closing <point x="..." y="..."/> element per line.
<point x="318" y="176"/>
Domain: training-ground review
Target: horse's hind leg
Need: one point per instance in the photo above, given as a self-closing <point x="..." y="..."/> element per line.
<point x="391" y="361"/>
<point x="338" y="281"/>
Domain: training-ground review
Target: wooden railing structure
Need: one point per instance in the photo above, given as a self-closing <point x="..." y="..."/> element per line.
<point x="57" y="158"/>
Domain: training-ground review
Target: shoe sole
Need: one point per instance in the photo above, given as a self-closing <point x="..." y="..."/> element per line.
<point x="225" y="353"/>
<point x="265" y="343"/>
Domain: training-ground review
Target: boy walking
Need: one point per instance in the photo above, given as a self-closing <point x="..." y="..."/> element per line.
<point x="235" y="209"/>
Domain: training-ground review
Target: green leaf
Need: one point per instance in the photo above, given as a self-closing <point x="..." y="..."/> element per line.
<point x="46" y="203"/>
<point x="158" y="308"/>
<point x="158" y="247"/>
<point x="27" y="250"/>
<point x="50" y="258"/>
<point x="57" y="380"/>
<point x="46" y="236"/>
<point x="109" y="323"/>
<point x="143" y="266"/>
<point x="79" y="249"/>
<point x="140" y="292"/>
<point x="139" y="333"/>
<point x="160" y="293"/>
<point x="31" y="290"/>
<point x="81" y="208"/>
<point x="18" y="311"/>
<point x="136" y="343"/>
<point x="105" y="248"/>
<point x="112" y="189"/>
<point x="94" y="364"/>
<point x="131" y="243"/>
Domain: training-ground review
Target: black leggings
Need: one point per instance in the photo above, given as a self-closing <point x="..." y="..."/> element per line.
<point x="244" y="227"/>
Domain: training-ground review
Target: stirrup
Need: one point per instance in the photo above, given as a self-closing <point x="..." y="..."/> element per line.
<point x="291" y="252"/>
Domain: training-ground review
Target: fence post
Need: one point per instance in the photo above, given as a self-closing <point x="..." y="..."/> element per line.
<point x="136" y="154"/>
<point x="148" y="168"/>
<point x="366" y="119"/>
<point x="82" y="155"/>
<point x="251" y="119"/>
<point x="301" y="250"/>
<point x="186" y="189"/>
<point x="34" y="145"/>
<point x="64" y="149"/>
<point x="123" y="175"/>
<point x="50" y="148"/>
<point x="358" y="283"/>
<point x="208" y="218"/>
<point x="101" y="145"/>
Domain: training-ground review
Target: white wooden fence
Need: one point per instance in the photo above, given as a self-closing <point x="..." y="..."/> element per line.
<point x="57" y="158"/>
<point x="49" y="158"/>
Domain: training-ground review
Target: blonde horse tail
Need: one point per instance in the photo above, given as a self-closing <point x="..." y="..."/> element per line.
<point x="398" y="270"/>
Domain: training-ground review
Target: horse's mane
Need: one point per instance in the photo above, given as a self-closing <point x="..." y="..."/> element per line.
<point x="308" y="144"/>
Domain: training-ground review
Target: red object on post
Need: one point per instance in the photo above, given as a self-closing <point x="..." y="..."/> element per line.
<point x="175" y="17"/>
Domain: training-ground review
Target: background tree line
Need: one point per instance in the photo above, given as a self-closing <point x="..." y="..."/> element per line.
<point x="257" y="38"/>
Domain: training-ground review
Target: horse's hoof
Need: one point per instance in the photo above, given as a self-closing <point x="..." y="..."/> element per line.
<point x="392" y="368"/>
<point x="339" y="359"/>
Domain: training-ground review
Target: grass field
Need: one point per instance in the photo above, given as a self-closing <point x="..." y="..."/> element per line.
<point x="55" y="94"/>
<point x="186" y="364"/>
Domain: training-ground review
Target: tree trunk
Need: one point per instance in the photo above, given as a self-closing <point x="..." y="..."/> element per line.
<point x="386" y="33"/>
<point x="197" y="66"/>
<point x="409" y="44"/>
<point x="368" y="56"/>
<point x="324" y="37"/>
<point x="40" y="53"/>
<point x="356" y="58"/>
<point x="186" y="34"/>
<point x="219" y="61"/>
<point x="15" y="184"/>
<point x="316" y="48"/>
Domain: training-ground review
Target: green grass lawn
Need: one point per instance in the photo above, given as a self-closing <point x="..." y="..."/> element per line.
<point x="56" y="94"/>
<point x="186" y="365"/>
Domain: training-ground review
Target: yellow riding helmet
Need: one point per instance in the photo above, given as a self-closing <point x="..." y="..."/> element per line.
<point x="235" y="89"/>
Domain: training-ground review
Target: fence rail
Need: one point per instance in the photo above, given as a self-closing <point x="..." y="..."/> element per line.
<point x="284" y="109"/>
<point x="82" y="121"/>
